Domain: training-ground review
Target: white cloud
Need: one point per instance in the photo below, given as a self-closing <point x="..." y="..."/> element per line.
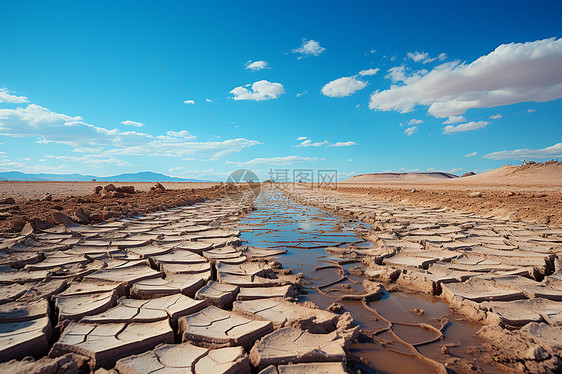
<point x="450" y="129"/>
<point x="310" y="143"/>
<point x="415" y="122"/>
<point x="6" y="97"/>
<point x="512" y="73"/>
<point x="454" y="119"/>
<point x="369" y="72"/>
<point x="209" y="100"/>
<point x="257" y="65"/>
<point x="496" y="116"/>
<point x="133" y="123"/>
<point x="301" y="138"/>
<point x="302" y="93"/>
<point x="442" y="57"/>
<point x="531" y="111"/>
<point x="455" y="170"/>
<point x="261" y="90"/>
<point x="397" y="74"/>
<point x="282" y="160"/>
<point x="526" y="154"/>
<point x="181" y="134"/>
<point x="471" y="154"/>
<point x="51" y="127"/>
<point x="343" y="144"/>
<point x="189" y="102"/>
<point x="309" y="48"/>
<point x="344" y="86"/>
<point x="93" y="160"/>
<point x="422" y="57"/>
<point x="411" y="130"/>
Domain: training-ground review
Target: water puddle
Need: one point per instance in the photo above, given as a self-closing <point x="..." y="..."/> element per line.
<point x="400" y="330"/>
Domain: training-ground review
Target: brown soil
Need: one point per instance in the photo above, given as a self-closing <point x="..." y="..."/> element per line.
<point x="529" y="205"/>
<point x="22" y="191"/>
<point x="41" y="214"/>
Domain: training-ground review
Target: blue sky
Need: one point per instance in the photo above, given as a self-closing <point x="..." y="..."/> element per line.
<point x="198" y="89"/>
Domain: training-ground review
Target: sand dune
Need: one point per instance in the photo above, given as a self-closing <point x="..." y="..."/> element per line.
<point x="400" y="177"/>
<point x="545" y="174"/>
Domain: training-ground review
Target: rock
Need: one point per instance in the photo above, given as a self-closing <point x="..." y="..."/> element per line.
<point x="335" y="308"/>
<point x="97" y="189"/>
<point x="63" y="219"/>
<point x="47" y="197"/>
<point x="418" y="311"/>
<point x="126" y="189"/>
<point x="109" y="187"/>
<point x="8" y="201"/>
<point x="60" y="365"/>
<point x="290" y="345"/>
<point x="475" y="194"/>
<point x="537" y="353"/>
<point x="107" y="343"/>
<point x="217" y="327"/>
<point x="158" y="187"/>
<point x="470" y="173"/>
<point x="80" y="217"/>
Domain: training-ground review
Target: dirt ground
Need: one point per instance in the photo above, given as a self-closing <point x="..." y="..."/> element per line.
<point x="89" y="207"/>
<point x="22" y="191"/>
<point x="525" y="203"/>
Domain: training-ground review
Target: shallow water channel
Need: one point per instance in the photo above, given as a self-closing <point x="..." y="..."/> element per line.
<point x="305" y="233"/>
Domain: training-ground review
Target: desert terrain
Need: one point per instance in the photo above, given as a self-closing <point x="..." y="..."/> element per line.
<point x="402" y="274"/>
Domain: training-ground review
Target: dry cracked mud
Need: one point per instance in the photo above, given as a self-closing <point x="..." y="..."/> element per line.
<point x="188" y="289"/>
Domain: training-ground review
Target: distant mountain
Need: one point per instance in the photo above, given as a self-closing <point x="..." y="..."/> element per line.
<point x="144" y="176"/>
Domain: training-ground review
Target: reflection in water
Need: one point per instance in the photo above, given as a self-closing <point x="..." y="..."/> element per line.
<point x="306" y="233"/>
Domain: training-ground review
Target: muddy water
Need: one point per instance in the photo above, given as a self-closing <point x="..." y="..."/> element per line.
<point x="305" y="233"/>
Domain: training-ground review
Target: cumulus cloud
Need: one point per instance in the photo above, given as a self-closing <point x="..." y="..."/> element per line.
<point x="260" y="90"/>
<point x="344" y="86"/>
<point x="415" y="122"/>
<point x="6" y="97"/>
<point x="51" y="127"/>
<point x="310" y="143"/>
<point x="450" y="129"/>
<point x="526" y="153"/>
<point x="309" y="48"/>
<point x="189" y="102"/>
<point x="471" y="154"/>
<point x="257" y="65"/>
<point x="369" y="72"/>
<point x="181" y="134"/>
<point x="343" y="144"/>
<point x="454" y="119"/>
<point x="496" y="116"/>
<point x="422" y="57"/>
<point x="132" y="123"/>
<point x="301" y="138"/>
<point x="411" y="130"/>
<point x="512" y="73"/>
<point x="281" y="160"/>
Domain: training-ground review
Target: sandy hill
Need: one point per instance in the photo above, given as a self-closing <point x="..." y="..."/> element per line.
<point x="400" y="177"/>
<point x="545" y="173"/>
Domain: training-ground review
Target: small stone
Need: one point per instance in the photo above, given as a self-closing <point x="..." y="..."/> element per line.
<point x="335" y="308"/>
<point x="62" y="218"/>
<point x="475" y="194"/>
<point x="97" y="189"/>
<point x="126" y="189"/>
<point x="81" y="217"/>
<point x="418" y="311"/>
<point x="47" y="197"/>
<point x="537" y="353"/>
<point x="109" y="187"/>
